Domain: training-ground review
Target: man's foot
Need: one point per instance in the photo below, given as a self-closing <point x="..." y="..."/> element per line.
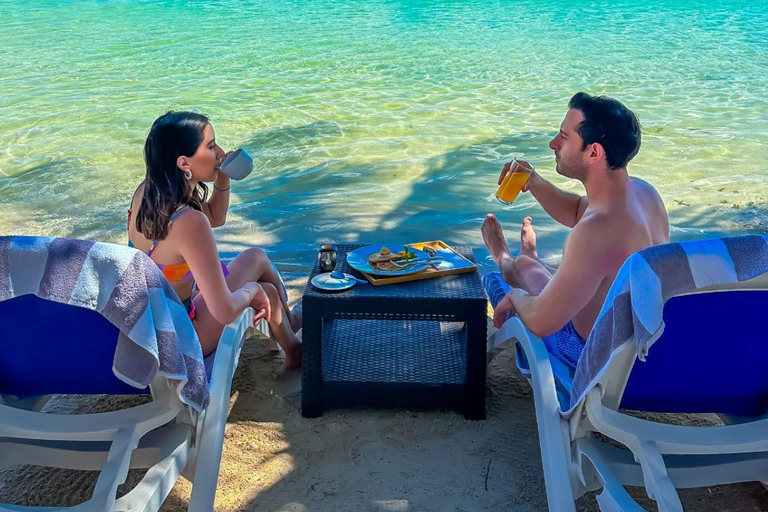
<point x="493" y="236"/>
<point x="292" y="357"/>
<point x="296" y="318"/>
<point x="528" y="239"/>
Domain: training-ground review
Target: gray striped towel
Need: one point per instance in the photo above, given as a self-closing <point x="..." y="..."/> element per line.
<point x="128" y="289"/>
<point x="632" y="311"/>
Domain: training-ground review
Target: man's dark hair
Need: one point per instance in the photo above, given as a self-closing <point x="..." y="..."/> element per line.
<point x="609" y="123"/>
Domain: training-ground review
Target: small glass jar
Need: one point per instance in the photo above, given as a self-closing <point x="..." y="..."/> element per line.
<point x="326" y="257"/>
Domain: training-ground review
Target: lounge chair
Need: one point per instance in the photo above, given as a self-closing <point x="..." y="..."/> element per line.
<point x="682" y="331"/>
<point x="59" y="337"/>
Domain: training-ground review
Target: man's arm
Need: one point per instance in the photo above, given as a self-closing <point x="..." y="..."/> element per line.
<point x="576" y="281"/>
<point x="565" y="207"/>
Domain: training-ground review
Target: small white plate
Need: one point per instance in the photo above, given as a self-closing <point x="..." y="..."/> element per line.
<point x="326" y="282"/>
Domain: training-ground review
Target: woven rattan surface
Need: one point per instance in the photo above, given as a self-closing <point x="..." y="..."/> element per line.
<point x="415" y="344"/>
<point x="394" y="351"/>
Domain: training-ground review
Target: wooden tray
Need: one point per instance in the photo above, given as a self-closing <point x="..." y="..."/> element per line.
<point x="453" y="263"/>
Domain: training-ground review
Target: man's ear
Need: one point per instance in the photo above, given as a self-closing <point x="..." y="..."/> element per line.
<point x="596" y="153"/>
<point x="182" y="163"/>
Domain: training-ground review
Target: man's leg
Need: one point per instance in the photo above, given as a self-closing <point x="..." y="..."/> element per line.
<point x="526" y="271"/>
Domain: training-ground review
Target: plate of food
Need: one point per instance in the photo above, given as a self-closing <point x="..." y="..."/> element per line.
<point x="387" y="260"/>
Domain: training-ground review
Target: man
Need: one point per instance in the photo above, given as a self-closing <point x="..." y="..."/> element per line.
<point x="618" y="216"/>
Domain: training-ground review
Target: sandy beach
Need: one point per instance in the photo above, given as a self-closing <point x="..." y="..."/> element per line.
<point x="363" y="460"/>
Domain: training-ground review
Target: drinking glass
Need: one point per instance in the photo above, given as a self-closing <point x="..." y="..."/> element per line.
<point x="518" y="175"/>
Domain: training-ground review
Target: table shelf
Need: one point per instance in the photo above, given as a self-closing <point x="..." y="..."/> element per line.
<point x="394" y="351"/>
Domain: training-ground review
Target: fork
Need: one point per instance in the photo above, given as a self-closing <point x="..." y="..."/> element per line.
<point x="406" y="264"/>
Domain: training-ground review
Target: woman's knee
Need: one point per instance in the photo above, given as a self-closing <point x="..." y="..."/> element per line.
<point x="271" y="291"/>
<point x="255" y="255"/>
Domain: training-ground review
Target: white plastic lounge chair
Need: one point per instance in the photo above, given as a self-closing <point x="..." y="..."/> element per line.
<point x="49" y="348"/>
<point x="708" y="354"/>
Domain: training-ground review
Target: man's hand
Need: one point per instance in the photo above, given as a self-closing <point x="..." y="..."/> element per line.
<point x="532" y="181"/>
<point x="508" y="166"/>
<point x="504" y="310"/>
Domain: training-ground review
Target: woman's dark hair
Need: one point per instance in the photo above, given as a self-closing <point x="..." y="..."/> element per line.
<point x="609" y="123"/>
<point x="172" y="135"/>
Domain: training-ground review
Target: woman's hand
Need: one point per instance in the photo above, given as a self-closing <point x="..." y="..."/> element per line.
<point x="226" y="155"/>
<point x="260" y="302"/>
<point x="222" y="180"/>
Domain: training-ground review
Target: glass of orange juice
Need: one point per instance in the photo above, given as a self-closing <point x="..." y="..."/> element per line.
<point x="519" y="172"/>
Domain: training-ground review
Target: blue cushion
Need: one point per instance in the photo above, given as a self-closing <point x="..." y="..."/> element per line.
<point x="711" y="358"/>
<point x="52" y="348"/>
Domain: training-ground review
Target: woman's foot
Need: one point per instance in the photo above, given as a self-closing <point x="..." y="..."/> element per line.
<point x="292" y="357"/>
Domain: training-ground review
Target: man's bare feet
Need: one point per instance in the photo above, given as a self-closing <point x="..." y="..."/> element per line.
<point x="528" y="239"/>
<point x="493" y="236"/>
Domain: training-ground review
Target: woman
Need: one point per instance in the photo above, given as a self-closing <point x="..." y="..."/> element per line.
<point x="171" y="219"/>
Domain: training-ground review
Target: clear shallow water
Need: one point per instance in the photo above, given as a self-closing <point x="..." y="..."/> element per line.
<point x="377" y="121"/>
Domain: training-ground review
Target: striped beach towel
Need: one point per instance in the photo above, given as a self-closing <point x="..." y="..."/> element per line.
<point x="128" y="289"/>
<point x="632" y="311"/>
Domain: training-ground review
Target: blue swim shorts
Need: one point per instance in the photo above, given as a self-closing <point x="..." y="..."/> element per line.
<point x="566" y="344"/>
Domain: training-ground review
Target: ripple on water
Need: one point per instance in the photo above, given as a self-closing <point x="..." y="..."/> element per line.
<point x="373" y="121"/>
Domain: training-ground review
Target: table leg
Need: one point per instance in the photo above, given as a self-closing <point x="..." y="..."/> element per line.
<point x="474" y="392"/>
<point x="311" y="377"/>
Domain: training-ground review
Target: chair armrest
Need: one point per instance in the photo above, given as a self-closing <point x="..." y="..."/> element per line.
<point x="514" y="331"/>
<point x="228" y="350"/>
<point x="553" y="430"/>
<point x="676" y="439"/>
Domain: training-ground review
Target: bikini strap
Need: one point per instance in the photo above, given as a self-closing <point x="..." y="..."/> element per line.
<point x="175" y="216"/>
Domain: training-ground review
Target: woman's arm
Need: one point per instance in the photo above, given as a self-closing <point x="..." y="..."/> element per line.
<point x="216" y="207"/>
<point x="193" y="236"/>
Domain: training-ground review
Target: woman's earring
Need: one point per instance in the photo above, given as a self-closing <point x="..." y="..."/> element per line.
<point x="188" y="175"/>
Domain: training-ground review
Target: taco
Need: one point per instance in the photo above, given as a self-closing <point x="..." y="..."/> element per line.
<point x="384" y="255"/>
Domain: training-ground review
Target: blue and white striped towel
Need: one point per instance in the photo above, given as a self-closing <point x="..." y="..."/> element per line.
<point x="128" y="289"/>
<point x="633" y="309"/>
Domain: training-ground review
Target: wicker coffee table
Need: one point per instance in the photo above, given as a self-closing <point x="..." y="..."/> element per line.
<point x="415" y="345"/>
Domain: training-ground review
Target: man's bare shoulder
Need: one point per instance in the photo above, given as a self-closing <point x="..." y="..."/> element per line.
<point x="599" y="236"/>
<point x="647" y="189"/>
<point x="593" y="227"/>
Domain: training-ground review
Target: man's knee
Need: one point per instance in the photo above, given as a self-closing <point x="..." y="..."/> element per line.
<point x="524" y="263"/>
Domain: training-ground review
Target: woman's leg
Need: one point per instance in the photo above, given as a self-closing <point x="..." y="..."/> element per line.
<point x="209" y="330"/>
<point x="281" y="329"/>
<point x="254" y="264"/>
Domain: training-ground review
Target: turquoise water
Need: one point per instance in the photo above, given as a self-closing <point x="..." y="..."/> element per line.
<point x="377" y="121"/>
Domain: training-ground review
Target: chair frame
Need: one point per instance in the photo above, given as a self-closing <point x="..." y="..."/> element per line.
<point x="660" y="457"/>
<point x="165" y="436"/>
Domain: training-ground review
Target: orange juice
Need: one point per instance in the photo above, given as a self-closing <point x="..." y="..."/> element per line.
<point x="514" y="180"/>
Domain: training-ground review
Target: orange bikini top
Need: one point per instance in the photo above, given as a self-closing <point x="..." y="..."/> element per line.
<point x="173" y="272"/>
